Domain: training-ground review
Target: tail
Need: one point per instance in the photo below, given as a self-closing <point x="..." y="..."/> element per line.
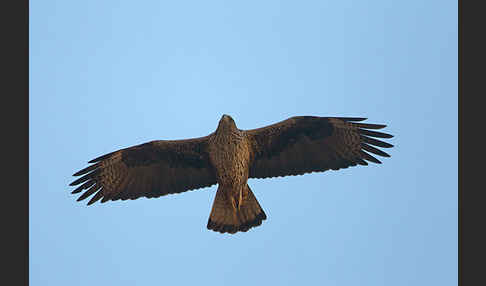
<point x="234" y="214"/>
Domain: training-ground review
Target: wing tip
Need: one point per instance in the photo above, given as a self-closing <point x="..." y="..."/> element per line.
<point x="103" y="157"/>
<point x="368" y="157"/>
<point x="366" y="142"/>
<point x="356" y="119"/>
<point x="95" y="198"/>
<point x="96" y="159"/>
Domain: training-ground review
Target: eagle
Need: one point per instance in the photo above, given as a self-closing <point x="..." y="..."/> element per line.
<point x="229" y="157"/>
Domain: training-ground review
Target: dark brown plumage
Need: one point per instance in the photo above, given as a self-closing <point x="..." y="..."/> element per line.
<point x="228" y="157"/>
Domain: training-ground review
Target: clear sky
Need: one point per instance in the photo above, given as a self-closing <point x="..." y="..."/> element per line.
<point x="106" y="75"/>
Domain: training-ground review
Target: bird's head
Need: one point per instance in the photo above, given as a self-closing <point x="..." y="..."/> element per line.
<point x="226" y="123"/>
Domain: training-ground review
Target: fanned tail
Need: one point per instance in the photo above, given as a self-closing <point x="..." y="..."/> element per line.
<point x="231" y="214"/>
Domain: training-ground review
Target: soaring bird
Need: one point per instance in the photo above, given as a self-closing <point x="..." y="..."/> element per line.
<point x="228" y="157"/>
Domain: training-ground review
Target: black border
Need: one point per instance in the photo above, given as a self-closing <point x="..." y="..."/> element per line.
<point x="471" y="204"/>
<point x="460" y="122"/>
<point x="15" y="142"/>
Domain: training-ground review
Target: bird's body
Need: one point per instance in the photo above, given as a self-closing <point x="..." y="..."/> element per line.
<point x="228" y="157"/>
<point x="229" y="154"/>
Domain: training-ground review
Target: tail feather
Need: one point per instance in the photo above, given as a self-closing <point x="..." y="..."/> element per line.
<point x="233" y="214"/>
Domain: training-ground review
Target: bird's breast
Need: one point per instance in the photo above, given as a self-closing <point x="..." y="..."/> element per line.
<point x="230" y="156"/>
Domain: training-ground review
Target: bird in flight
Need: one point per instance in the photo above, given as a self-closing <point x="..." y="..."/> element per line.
<point x="229" y="157"/>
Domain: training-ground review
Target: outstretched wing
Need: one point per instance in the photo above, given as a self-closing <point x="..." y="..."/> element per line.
<point x="305" y="144"/>
<point x="149" y="170"/>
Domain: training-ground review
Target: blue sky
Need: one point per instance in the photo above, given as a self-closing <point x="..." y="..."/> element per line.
<point x="106" y="75"/>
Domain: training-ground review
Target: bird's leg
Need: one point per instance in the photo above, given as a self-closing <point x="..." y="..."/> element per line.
<point x="240" y="199"/>
<point x="236" y="207"/>
<point x="235" y="202"/>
